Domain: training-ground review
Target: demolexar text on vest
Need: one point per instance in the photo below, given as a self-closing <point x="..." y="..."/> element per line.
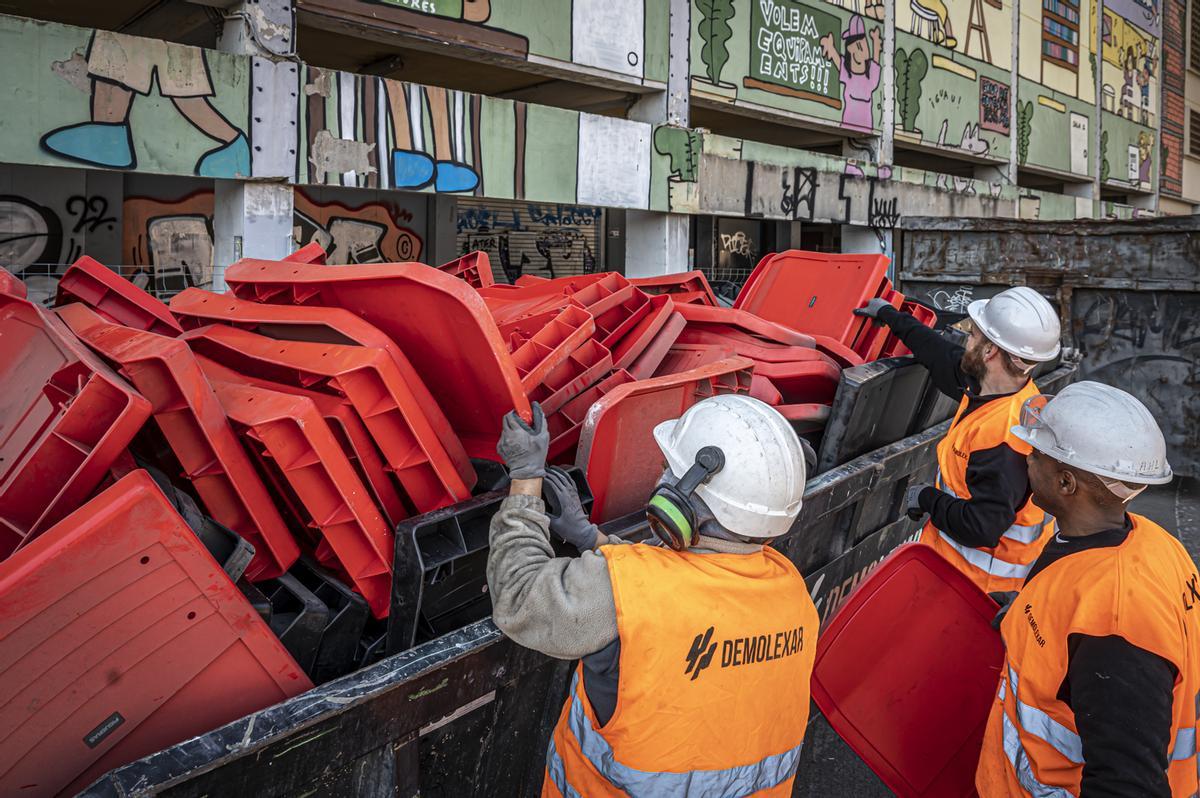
<point x="739" y="651"/>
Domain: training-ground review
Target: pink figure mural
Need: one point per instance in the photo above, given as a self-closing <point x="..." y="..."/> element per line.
<point x="858" y="70"/>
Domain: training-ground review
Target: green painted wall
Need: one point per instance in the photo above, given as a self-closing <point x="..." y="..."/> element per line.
<point x="950" y="100"/>
<point x="1055" y="130"/>
<point x="1129" y="151"/>
<point x="628" y="37"/>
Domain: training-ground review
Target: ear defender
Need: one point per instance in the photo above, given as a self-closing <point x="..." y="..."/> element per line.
<point x="670" y="512"/>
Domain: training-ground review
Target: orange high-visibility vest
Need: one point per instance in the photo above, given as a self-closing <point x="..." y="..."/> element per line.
<point x="716" y="655"/>
<point x="1146" y="591"/>
<point x="1003" y="567"/>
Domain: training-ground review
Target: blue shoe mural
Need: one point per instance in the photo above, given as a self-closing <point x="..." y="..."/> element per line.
<point x="97" y="143"/>
<point x="453" y="177"/>
<point x="228" y="160"/>
<point x="411" y="169"/>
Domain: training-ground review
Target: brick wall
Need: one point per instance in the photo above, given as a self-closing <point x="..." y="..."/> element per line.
<point x="1173" y="71"/>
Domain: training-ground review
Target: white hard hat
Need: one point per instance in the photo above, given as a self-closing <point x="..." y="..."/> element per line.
<point x="757" y="493"/>
<point x="1099" y="429"/>
<point x="1020" y="321"/>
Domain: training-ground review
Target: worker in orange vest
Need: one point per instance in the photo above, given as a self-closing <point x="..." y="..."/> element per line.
<point x="1100" y="689"/>
<point x="696" y="654"/>
<point x="980" y="516"/>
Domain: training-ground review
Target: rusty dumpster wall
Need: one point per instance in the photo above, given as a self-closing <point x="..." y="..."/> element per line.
<point x="1128" y="293"/>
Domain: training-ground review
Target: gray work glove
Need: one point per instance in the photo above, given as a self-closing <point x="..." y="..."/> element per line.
<point x="522" y="446"/>
<point x="567" y="518"/>
<point x="912" y="501"/>
<point x="872" y="308"/>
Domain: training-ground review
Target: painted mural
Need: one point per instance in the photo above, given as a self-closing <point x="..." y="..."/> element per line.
<point x="1056" y="91"/>
<point x="111" y="101"/>
<point x="115" y="72"/>
<point x="953" y="64"/>
<point x="626" y="37"/>
<point x="820" y="60"/>
<point x="1129" y="77"/>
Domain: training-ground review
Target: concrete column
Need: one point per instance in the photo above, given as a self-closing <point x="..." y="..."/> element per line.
<point x="868" y="240"/>
<point x="253" y="217"/>
<point x="1014" y="158"/>
<point x="1145" y="202"/>
<point x="442" y="212"/>
<point x="657" y="243"/>
<point x="1097" y="115"/>
<point x="887" y="125"/>
<point x="250" y="220"/>
<point x="1085" y="207"/>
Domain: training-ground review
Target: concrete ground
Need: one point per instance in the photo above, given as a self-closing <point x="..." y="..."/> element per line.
<point x="835" y="770"/>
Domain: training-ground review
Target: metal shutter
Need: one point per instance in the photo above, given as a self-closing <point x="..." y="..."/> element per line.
<point x="547" y="240"/>
<point x="1194" y="34"/>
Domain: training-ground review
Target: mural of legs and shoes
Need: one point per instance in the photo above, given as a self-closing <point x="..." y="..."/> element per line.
<point x="121" y="67"/>
<point x="412" y="167"/>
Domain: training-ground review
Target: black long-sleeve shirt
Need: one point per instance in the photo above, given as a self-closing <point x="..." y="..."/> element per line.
<point x="1121" y="696"/>
<point x="996" y="477"/>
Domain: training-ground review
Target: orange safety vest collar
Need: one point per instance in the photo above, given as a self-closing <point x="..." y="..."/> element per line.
<point x="716" y="655"/>
<point x="1004" y="567"/>
<point x="1139" y="591"/>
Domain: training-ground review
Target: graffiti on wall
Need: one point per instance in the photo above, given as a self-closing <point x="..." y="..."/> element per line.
<point x="544" y="240"/>
<point x="40" y="234"/>
<point x="35" y="234"/>
<point x="818" y="188"/>
<point x="1149" y="343"/>
<point x="169" y="242"/>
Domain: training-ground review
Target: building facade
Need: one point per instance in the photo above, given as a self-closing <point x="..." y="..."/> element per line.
<point x="1180" y="191"/>
<point x="564" y="136"/>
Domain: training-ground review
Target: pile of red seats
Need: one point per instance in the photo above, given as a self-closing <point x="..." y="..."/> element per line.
<point x="310" y="409"/>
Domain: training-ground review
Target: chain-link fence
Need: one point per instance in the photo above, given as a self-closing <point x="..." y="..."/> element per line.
<point x="41" y="280"/>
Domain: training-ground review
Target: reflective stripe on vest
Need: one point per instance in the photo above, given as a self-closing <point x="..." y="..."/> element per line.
<point x="988" y="563"/>
<point x="558" y="772"/>
<point x="740" y="780"/>
<point x="1022" y="533"/>
<point x="1185" y="745"/>
<point x="1020" y="764"/>
<point x="1036" y="722"/>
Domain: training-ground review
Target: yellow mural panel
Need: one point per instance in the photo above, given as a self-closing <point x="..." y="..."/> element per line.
<point x="1056" y="45"/>
<point x="1130" y="70"/>
<point x="981" y="29"/>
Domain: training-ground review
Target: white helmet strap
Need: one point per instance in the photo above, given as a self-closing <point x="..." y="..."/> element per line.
<point x="1120" y="489"/>
<point x="1024" y="366"/>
